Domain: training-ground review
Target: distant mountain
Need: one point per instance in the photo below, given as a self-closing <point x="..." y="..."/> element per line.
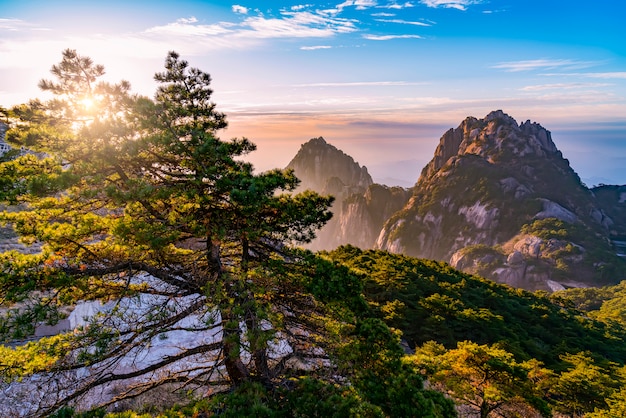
<point x="497" y="199"/>
<point x="361" y="207"/>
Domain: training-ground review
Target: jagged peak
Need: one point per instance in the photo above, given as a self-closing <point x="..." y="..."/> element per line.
<point x="500" y="115"/>
<point x="316" y="141"/>
<point x="318" y="160"/>
<point x="494" y="135"/>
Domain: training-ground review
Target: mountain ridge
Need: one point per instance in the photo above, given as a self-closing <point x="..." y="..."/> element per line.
<point x="499" y="200"/>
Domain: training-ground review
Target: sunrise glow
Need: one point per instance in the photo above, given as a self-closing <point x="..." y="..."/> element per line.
<point x="88" y="103"/>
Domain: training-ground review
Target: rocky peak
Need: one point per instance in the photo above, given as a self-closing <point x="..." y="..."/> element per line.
<point x="327" y="170"/>
<point x="495" y="137"/>
<point x="541" y="134"/>
<point x="494" y="185"/>
<point x="499" y="115"/>
<point x="322" y="167"/>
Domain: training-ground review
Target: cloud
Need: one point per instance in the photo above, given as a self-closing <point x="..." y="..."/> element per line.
<point x="403" y="22"/>
<point x="609" y="75"/>
<point x="383" y="14"/>
<point x="397" y="6"/>
<point x="563" y="86"/>
<point x="290" y="24"/>
<point x="313" y="48"/>
<point x="605" y="75"/>
<point x="359" y="4"/>
<point x="541" y="64"/>
<point x="390" y="37"/>
<point x="450" y="4"/>
<point x="240" y="9"/>
<point x="12" y="24"/>
<point x="17" y="25"/>
<point x="298" y="21"/>
<point x="299" y="7"/>
<point x="361" y="84"/>
<point x="191" y="19"/>
<point x="296" y="25"/>
<point x="189" y="27"/>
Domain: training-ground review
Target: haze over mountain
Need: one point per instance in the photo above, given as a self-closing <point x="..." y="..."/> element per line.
<point x="497" y="199"/>
<point x="361" y="206"/>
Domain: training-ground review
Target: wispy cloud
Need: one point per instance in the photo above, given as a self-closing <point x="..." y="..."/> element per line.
<point x="542" y="64"/>
<point x="390" y="37"/>
<point x="290" y="24"/>
<point x="396" y="6"/>
<point x="313" y="48"/>
<point x="299" y="7"/>
<point x="361" y="84"/>
<point x="563" y="86"/>
<point x="15" y="25"/>
<point x="357" y="4"/>
<point x="609" y="75"/>
<point x="360" y="4"/>
<point x="383" y="14"/>
<point x="450" y="4"/>
<point x="403" y="22"/>
<point x="190" y="27"/>
<point x="296" y="25"/>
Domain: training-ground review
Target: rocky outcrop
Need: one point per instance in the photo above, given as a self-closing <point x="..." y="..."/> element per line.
<point x="327" y="170"/>
<point x="362" y="216"/>
<point x="498" y="199"/>
<point x="361" y="207"/>
<point x="612" y="209"/>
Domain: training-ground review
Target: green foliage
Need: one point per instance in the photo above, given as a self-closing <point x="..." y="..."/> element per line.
<point x="484" y="376"/>
<point x="599" y="257"/>
<point x="448" y="306"/>
<point x="536" y="341"/>
<point x="132" y="188"/>
<point x="67" y="412"/>
<point x="616" y="406"/>
<point x="607" y="304"/>
<point x="586" y="384"/>
<point x="33" y="357"/>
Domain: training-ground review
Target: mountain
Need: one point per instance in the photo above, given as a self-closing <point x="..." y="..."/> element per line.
<point x="361" y="206"/>
<point x="497" y="199"/>
<point x="612" y="199"/>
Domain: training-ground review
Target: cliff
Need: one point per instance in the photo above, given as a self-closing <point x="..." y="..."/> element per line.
<point x="361" y="207"/>
<point x="498" y="199"/>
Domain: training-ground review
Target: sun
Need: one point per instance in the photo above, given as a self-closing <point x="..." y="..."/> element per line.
<point x="88" y="103"/>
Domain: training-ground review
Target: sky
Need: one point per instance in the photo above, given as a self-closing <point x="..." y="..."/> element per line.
<point x="382" y="80"/>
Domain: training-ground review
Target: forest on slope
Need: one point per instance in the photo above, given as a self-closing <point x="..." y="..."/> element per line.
<point x="509" y="351"/>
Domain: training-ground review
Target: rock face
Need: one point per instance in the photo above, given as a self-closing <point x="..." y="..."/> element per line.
<point x="612" y="200"/>
<point x="322" y="167"/>
<point x="361" y="207"/>
<point x="498" y="199"/>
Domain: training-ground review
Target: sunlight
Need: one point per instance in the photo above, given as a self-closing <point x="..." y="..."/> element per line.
<point x="88" y="102"/>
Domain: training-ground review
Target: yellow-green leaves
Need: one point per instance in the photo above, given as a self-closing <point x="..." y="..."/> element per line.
<point x="34" y="357"/>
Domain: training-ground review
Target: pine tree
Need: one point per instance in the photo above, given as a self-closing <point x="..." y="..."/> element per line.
<point x="138" y="203"/>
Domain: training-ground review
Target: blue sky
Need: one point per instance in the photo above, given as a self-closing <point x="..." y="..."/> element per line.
<point x="380" y="79"/>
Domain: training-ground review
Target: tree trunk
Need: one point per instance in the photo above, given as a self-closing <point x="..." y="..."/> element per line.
<point x="231" y="332"/>
<point x="237" y="371"/>
<point x="484" y="410"/>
